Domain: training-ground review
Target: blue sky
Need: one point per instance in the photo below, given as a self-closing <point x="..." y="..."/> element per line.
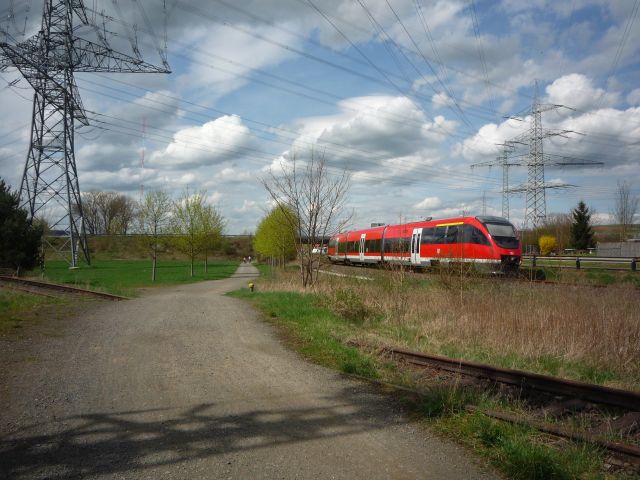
<point x="405" y="94"/>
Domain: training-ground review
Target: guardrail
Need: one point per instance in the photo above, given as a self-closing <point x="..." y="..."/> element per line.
<point x="578" y="261"/>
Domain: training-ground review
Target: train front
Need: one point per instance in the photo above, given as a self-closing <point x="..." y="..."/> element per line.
<point x="505" y="240"/>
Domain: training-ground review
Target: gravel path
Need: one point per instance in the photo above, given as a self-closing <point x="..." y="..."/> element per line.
<point x="186" y="383"/>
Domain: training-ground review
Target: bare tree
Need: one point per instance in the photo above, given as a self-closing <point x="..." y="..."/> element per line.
<point x="316" y="200"/>
<point x="153" y="221"/>
<point x="123" y="209"/>
<point x="108" y="212"/>
<point x="91" y="212"/>
<point x="625" y="208"/>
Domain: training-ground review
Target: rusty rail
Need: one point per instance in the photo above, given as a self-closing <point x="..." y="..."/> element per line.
<point x="60" y="288"/>
<point x="589" y="392"/>
<point x="628" y="450"/>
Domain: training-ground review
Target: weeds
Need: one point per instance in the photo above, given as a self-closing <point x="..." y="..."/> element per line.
<point x="432" y="318"/>
<point x="572" y="331"/>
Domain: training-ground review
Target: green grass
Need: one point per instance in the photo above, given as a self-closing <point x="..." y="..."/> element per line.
<point x="124" y="276"/>
<point x="16" y="308"/>
<point x="519" y="452"/>
<point x="264" y="269"/>
<point x="544" y="364"/>
<point x="314" y="330"/>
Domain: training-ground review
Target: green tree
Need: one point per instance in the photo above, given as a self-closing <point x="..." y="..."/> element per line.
<point x="153" y="219"/>
<point x="187" y="225"/>
<point x="212" y="224"/>
<point x="276" y="235"/>
<point x="581" y="231"/>
<point x="20" y="240"/>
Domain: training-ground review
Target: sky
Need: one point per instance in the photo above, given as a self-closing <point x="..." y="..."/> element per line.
<point x="406" y="95"/>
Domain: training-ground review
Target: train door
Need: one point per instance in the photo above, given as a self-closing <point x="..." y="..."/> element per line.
<point x="416" y="239"/>
<point x="362" y="238"/>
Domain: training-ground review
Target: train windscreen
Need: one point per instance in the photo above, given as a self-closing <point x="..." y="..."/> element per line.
<point x="504" y="234"/>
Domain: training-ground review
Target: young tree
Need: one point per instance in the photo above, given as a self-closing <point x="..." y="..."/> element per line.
<point x="153" y="223"/>
<point x="20" y="240"/>
<point x="187" y="225"/>
<point x="276" y="235"/>
<point x="625" y="209"/>
<point x="581" y="231"/>
<point x="212" y="224"/>
<point x="315" y="199"/>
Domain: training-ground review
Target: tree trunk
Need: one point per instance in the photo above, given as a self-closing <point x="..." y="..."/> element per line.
<point x="206" y="263"/>
<point x="153" y="268"/>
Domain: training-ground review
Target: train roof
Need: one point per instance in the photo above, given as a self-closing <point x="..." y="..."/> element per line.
<point x="481" y="218"/>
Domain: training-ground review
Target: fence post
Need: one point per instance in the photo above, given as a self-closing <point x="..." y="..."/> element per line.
<point x="533" y="262"/>
<point x="633" y="264"/>
<point x="578" y="263"/>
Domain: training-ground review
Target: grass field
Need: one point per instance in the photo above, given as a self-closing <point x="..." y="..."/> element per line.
<point x="122" y="277"/>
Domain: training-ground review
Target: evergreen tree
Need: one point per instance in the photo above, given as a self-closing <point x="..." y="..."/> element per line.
<point x="581" y="231"/>
<point x="20" y="241"/>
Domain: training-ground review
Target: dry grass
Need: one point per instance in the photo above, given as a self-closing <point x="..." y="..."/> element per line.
<point x="554" y="328"/>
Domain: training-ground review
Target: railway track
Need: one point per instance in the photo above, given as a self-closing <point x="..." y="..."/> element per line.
<point x="524" y="277"/>
<point x="42" y="288"/>
<point x="533" y="381"/>
<point x="568" y="390"/>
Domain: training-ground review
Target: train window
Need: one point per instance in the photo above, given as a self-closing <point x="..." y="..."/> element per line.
<point x="404" y="244"/>
<point x="474" y="235"/>
<point x="439" y="235"/>
<point x="372" y="245"/>
<point x="428" y="235"/>
<point x="503" y="234"/>
<point x="397" y="245"/>
<point x="452" y="234"/>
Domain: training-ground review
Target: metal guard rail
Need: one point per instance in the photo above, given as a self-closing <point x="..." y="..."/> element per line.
<point x="632" y="261"/>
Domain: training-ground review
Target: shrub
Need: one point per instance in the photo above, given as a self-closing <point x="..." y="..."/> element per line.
<point x="547" y="244"/>
<point x="348" y="304"/>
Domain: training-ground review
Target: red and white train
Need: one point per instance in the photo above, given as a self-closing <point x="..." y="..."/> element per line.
<point x="490" y="242"/>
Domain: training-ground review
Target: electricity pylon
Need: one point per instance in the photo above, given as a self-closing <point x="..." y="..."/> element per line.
<point x="48" y="61"/>
<point x="535" y="161"/>
<point x="503" y="160"/>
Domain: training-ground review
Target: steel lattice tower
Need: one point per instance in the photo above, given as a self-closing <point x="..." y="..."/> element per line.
<point x="503" y="160"/>
<point x="536" y="202"/>
<point x="48" y="61"/>
<point x="535" y="161"/>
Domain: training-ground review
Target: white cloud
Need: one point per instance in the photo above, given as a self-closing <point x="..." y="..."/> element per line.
<point x="214" y="142"/>
<point x="225" y="55"/>
<point x="486" y="143"/>
<point x="428" y="203"/>
<point x="373" y="134"/>
<point x="577" y="91"/>
<point x="633" y="98"/>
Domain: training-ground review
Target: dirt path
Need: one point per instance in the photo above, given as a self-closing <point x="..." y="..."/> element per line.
<point x="185" y="383"/>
